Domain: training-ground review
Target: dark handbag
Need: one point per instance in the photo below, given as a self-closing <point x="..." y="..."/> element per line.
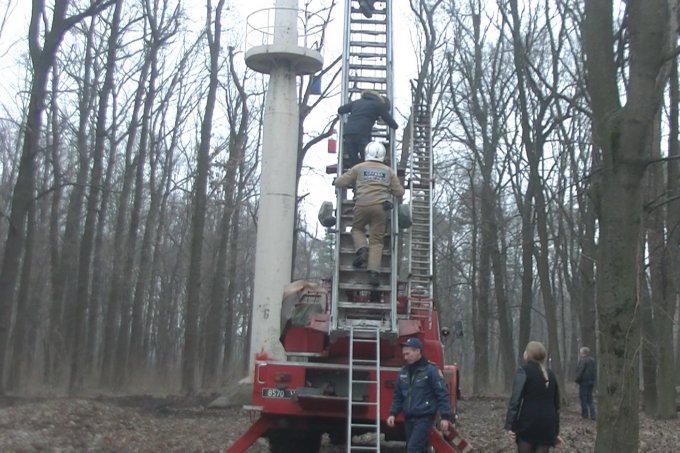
<point x="387" y="205"/>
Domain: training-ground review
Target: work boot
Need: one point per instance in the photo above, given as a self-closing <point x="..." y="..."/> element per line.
<point x="374" y="278"/>
<point x="361" y="258"/>
<point x="366" y="8"/>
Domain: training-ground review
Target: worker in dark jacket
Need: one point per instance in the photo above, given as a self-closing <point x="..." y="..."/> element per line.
<point x="533" y="417"/>
<point x="357" y="131"/>
<point x="586" y="373"/>
<point x="366" y="7"/>
<point x="374" y="186"/>
<point x="419" y="393"/>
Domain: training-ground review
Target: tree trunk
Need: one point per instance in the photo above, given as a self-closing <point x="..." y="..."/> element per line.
<point x="22" y="196"/>
<point x="586" y="274"/>
<point x="193" y="302"/>
<point x="99" y="278"/>
<point x="78" y="324"/>
<point x="648" y="346"/>
<point x="651" y="311"/>
<point x="665" y="308"/>
<point x="503" y="310"/>
<point x="65" y="263"/>
<point x="622" y="133"/>
<point x="527" y="302"/>
<point x="131" y="267"/>
<point x="220" y="311"/>
<point x="116" y="291"/>
<point x="20" y="340"/>
<point x="137" y="353"/>
<point x="56" y="301"/>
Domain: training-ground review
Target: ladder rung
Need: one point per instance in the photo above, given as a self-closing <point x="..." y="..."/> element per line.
<point x="366" y="340"/>
<point x="368" y="44"/>
<point x="355" y="381"/>
<point x="350" y="268"/>
<point x="369" y="21"/>
<point x="364" y="361"/>
<point x="364" y="287"/>
<point x="364" y="425"/>
<point x="364" y="403"/>
<point x="368" y="79"/>
<point x="367" y="55"/>
<point x="369" y="67"/>
<point x="369" y="32"/>
<point x="375" y="12"/>
<point x="364" y="306"/>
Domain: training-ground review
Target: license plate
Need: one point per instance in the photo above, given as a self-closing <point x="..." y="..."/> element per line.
<point x="277" y="393"/>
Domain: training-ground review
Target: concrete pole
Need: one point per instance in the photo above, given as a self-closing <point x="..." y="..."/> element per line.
<point x="276" y="213"/>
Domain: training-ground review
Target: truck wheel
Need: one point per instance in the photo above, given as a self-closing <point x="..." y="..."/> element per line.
<point x="294" y="442"/>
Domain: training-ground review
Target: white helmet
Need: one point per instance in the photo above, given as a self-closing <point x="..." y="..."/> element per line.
<point x="375" y="151"/>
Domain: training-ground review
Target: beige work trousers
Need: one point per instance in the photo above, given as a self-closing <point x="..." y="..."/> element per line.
<point x="374" y="216"/>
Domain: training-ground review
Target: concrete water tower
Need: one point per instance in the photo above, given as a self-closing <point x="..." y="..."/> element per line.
<point x="276" y="43"/>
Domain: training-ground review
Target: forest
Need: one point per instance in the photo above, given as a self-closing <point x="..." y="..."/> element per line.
<point x="129" y="173"/>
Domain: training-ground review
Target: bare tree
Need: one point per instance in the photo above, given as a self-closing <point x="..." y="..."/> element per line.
<point x="193" y="302"/>
<point x="163" y="25"/>
<point x="78" y="322"/>
<point x="622" y="132"/>
<point x="42" y="58"/>
<point x="479" y="102"/>
<point x="667" y="306"/>
<point x="220" y="308"/>
<point x="535" y="129"/>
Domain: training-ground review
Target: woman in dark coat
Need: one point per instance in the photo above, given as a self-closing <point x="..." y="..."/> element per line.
<point x="533" y="418"/>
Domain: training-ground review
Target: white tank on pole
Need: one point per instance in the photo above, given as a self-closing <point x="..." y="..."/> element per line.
<point x="281" y="51"/>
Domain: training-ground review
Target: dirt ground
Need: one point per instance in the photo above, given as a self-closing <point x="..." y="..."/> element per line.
<point x="173" y="424"/>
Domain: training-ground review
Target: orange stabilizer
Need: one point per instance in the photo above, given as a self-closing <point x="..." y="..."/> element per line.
<point x="248" y="438"/>
<point x="450" y="442"/>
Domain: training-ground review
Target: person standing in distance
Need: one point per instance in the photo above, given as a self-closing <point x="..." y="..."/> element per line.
<point x="357" y="131"/>
<point x="586" y="373"/>
<point x="533" y="417"/>
<point x="374" y="185"/>
<point x="420" y="392"/>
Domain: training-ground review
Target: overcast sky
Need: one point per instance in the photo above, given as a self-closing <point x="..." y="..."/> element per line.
<point x="13" y="44"/>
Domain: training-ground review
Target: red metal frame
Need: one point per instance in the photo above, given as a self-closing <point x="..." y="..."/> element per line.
<point x="277" y="385"/>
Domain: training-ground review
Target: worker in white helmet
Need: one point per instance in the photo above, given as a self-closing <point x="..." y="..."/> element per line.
<point x="374" y="186"/>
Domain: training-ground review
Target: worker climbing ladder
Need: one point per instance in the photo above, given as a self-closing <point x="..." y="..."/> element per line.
<point x="367" y="65"/>
<point x="420" y="185"/>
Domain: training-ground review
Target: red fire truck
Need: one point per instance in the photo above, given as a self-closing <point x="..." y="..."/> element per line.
<point x="342" y="337"/>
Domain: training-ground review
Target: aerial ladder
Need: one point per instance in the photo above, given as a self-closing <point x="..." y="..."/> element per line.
<point x="420" y="184"/>
<point x="367" y="65"/>
<point x="365" y="313"/>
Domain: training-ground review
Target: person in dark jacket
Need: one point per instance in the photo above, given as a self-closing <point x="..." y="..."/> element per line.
<point x="366" y="7"/>
<point x="533" y="417"/>
<point x="357" y="131"/>
<point x="419" y="393"/>
<point x="586" y="373"/>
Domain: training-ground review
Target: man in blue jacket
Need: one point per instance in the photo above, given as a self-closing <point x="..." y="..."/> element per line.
<point x="419" y="393"/>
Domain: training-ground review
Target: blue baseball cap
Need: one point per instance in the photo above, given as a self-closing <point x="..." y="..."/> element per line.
<point x="413" y="343"/>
